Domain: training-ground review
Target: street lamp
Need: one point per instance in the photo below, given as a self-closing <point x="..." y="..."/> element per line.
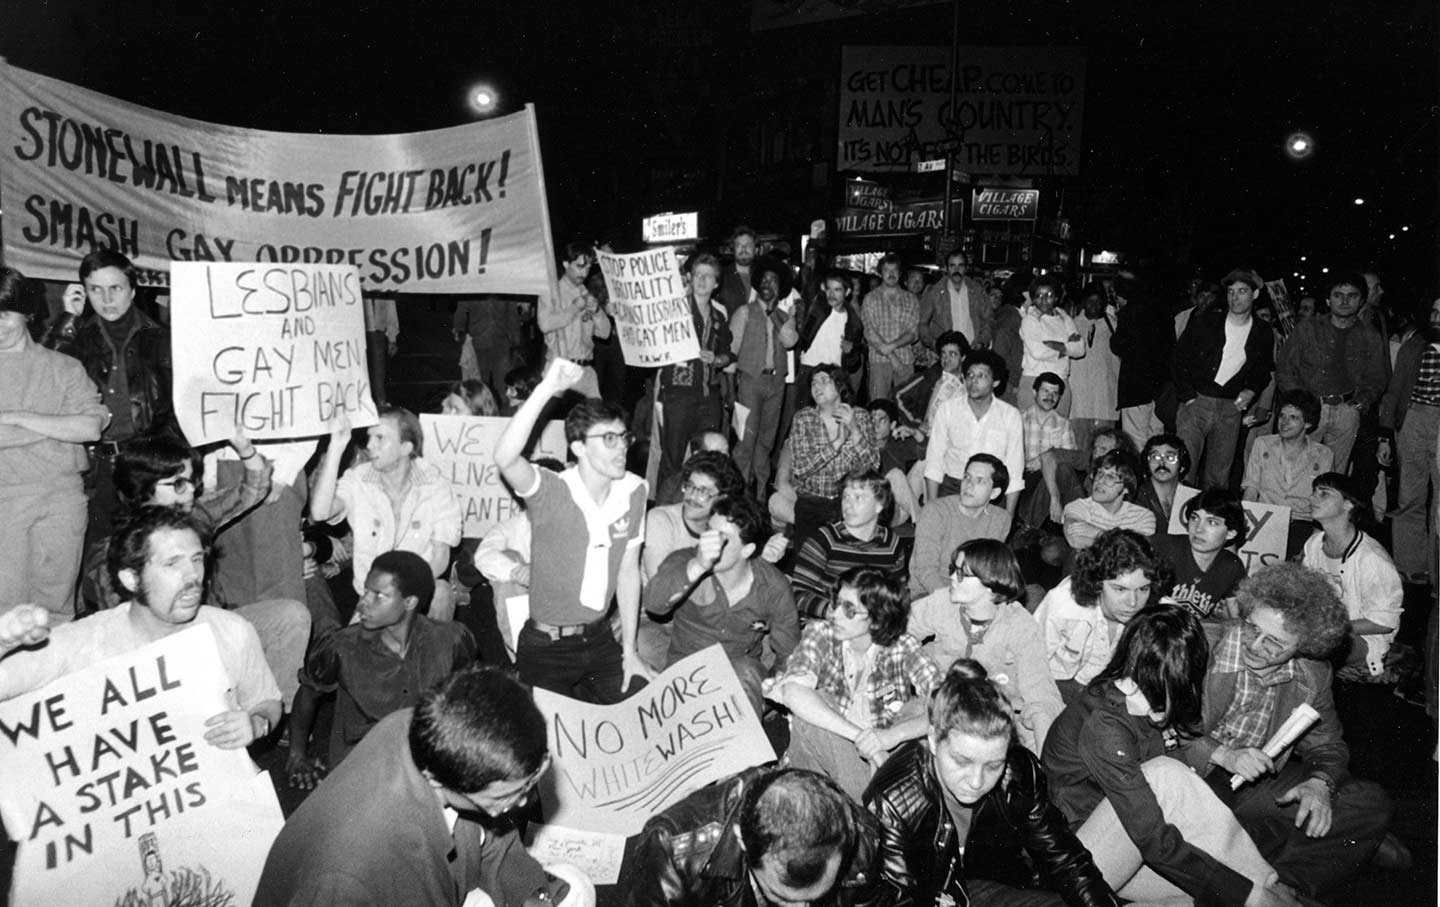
<point x="1299" y="145"/>
<point x="484" y="100"/>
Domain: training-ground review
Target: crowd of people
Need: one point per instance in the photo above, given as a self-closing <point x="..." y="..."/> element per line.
<point x="928" y="523"/>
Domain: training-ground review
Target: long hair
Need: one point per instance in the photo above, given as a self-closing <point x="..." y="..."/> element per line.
<point x="1164" y="651"/>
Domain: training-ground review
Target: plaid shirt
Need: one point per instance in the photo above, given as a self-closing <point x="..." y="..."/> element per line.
<point x="898" y="672"/>
<point x="889" y="312"/>
<point x="1248" y="717"/>
<point x="1427" y="379"/>
<point x="818" y="468"/>
<point x="1045" y="431"/>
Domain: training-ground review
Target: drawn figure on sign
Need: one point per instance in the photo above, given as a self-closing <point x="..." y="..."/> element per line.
<point x="154" y="888"/>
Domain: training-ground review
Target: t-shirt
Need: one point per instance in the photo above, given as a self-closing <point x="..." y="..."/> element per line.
<point x="577" y="545"/>
<point x="1199" y="591"/>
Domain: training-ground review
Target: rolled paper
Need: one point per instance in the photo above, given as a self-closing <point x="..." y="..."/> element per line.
<point x="1297" y="724"/>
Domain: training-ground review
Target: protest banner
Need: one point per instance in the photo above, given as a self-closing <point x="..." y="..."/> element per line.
<point x="275" y="349"/>
<point x="463" y="448"/>
<point x="115" y="797"/>
<point x="1268" y="528"/>
<point x="650" y="307"/>
<point x="1018" y="110"/>
<point x="446" y="211"/>
<point x="615" y="766"/>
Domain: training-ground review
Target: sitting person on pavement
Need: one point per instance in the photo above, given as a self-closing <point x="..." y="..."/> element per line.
<point x="1113" y="480"/>
<point x="977" y="512"/>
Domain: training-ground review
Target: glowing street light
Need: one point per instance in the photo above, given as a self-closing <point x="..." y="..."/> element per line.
<point x="1324" y="270"/>
<point x="1304" y="258"/>
<point x="1405" y="229"/>
<point x="1299" y="145"/>
<point x="1392" y="235"/>
<point x="1359" y="201"/>
<point x="483" y="99"/>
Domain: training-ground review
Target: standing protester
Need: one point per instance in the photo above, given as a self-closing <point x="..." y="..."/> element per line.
<point x="957" y="303"/>
<point x="1340" y="359"/>
<point x="892" y="324"/>
<point x="1142" y="341"/>
<point x="1050" y="339"/>
<point x="737" y="283"/>
<point x="1220" y="366"/>
<point x="491" y="326"/>
<point x="690" y="391"/>
<point x="382" y="340"/>
<point x="832" y="332"/>
<point x="761" y="333"/>
<point x="49" y="408"/>
<point x="1094" y="378"/>
<point x="127" y="354"/>
<point x="1411" y="408"/>
<point x="588" y="524"/>
<point x="572" y="318"/>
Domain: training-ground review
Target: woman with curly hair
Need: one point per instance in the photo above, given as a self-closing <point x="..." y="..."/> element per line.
<point x="1082" y="616"/>
<point x="856" y="685"/>
<point x="1155" y="829"/>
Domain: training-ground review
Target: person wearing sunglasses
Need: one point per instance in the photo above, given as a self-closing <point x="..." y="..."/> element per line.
<point x="1309" y="816"/>
<point x="587" y="528"/>
<point x="1166" y="462"/>
<point x="856" y="685"/>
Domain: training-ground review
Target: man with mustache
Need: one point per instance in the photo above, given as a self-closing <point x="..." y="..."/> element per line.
<point x="1166" y="461"/>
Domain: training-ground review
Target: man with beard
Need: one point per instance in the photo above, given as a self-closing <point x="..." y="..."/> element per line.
<point x="736" y="282"/>
<point x="958" y="303"/>
<point x="417" y="814"/>
<point x="158" y="558"/>
<point x="761" y="331"/>
<point x="1166" y="461"/>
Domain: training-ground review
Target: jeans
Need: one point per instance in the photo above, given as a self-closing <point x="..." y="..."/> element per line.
<point x="588" y="667"/>
<point x="682" y="416"/>
<point x="763" y="396"/>
<point x="1415" y="447"/>
<point x="1202" y="820"/>
<point x="1141" y="423"/>
<point x="886" y="376"/>
<point x="1210" y="426"/>
<point x="283" y="626"/>
<point x="1339" y="423"/>
<point x="40" y="552"/>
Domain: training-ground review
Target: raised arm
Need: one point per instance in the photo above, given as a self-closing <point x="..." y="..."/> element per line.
<point x="560" y="376"/>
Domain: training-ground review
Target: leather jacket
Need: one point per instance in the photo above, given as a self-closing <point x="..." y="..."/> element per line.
<point x="147" y="367"/>
<point x="815" y="315"/>
<point x="1017" y="836"/>
<point x="690" y="855"/>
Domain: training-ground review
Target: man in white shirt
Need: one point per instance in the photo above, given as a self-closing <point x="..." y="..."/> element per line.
<point x="977" y="422"/>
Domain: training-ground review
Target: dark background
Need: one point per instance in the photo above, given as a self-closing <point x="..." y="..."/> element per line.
<point x="653" y="106"/>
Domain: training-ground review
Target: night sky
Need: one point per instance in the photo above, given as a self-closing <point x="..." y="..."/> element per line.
<point x="1187" y="105"/>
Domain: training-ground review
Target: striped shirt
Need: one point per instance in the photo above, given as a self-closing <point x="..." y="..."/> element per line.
<point x="832" y="551"/>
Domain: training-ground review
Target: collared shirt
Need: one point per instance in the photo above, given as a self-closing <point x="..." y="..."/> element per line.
<point x="1327" y="360"/>
<point x="708" y="616"/>
<point x="1035" y="330"/>
<point x="890" y="677"/>
<point x="374" y="681"/>
<point x="960" y="319"/>
<point x="428" y="513"/>
<point x="1044" y="431"/>
<point x="1078" y="639"/>
<point x="578" y="545"/>
<point x="1249" y="714"/>
<point x="1277" y="477"/>
<point x="889" y="312"/>
<point x="38" y="380"/>
<point x="1427" y="379"/>
<point x="826" y="347"/>
<point x="818" y="467"/>
<point x="576" y="339"/>
<point x="1368" y="584"/>
<point x="956" y="436"/>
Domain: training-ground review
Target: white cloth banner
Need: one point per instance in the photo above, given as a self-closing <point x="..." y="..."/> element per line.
<point x="116" y="798"/>
<point x="650" y="306"/>
<point x="616" y="766"/>
<point x="463" y="449"/>
<point x="275" y="349"/>
<point x="446" y="211"/>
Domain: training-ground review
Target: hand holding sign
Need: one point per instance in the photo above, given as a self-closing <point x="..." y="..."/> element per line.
<point x="23" y="625"/>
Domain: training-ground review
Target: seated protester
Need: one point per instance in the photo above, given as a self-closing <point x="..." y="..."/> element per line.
<point x="380" y="665"/>
<point x="520" y="383"/>
<point x="945" y="523"/>
<point x="828" y="440"/>
<point x="1309" y="816"/>
<point x="1153" y="827"/>
<point x="763" y="836"/>
<point x="471" y="397"/>
<point x="1112" y="481"/>
<point x="1050" y="454"/>
<point x="1166" y="461"/>
<point x="922" y="395"/>
<point x="159" y="470"/>
<point x="1360" y="570"/>
<point x="723" y="591"/>
<point x="157" y="558"/>
<point x="982" y="616"/>
<point x="898" y="455"/>
<point x="1082" y="617"/>
<point x="965" y="817"/>
<point x="417" y="814"/>
<point x="705" y="440"/>
<point x="857" y="684"/>
<point x="857" y="539"/>
<point x="1204" y="571"/>
<point x="705" y="477"/>
<point x="1282" y="466"/>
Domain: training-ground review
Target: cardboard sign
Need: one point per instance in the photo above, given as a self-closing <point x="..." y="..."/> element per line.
<point x="1018" y="110"/>
<point x="616" y="766"/>
<point x="463" y="447"/>
<point x="116" y="798"/>
<point x="276" y="349"/>
<point x="1268" y="525"/>
<point x="650" y="306"/>
<point x="459" y="210"/>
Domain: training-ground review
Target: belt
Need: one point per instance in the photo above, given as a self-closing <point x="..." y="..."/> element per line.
<point x="106" y="449"/>
<point x="564" y="631"/>
<point x="583" y="362"/>
<point x="1332" y="399"/>
<point x="767" y="371"/>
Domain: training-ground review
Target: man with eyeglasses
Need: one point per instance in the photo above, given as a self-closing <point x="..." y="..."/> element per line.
<point x="1050" y="340"/>
<point x="572" y="317"/>
<point x="1340" y="358"/>
<point x="1311" y="819"/>
<point x="1166" y="462"/>
<point x="587" y="528"/>
<point x="1112" y="481"/>
<point x="417" y="814"/>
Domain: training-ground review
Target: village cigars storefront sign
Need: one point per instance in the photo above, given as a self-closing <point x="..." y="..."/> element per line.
<point x="891" y="219"/>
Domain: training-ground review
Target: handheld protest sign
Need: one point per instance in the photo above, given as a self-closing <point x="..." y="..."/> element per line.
<point x="650" y="307"/>
<point x="463" y="449"/>
<point x="1268" y="525"/>
<point x="116" y="798"/>
<point x="277" y="349"/>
